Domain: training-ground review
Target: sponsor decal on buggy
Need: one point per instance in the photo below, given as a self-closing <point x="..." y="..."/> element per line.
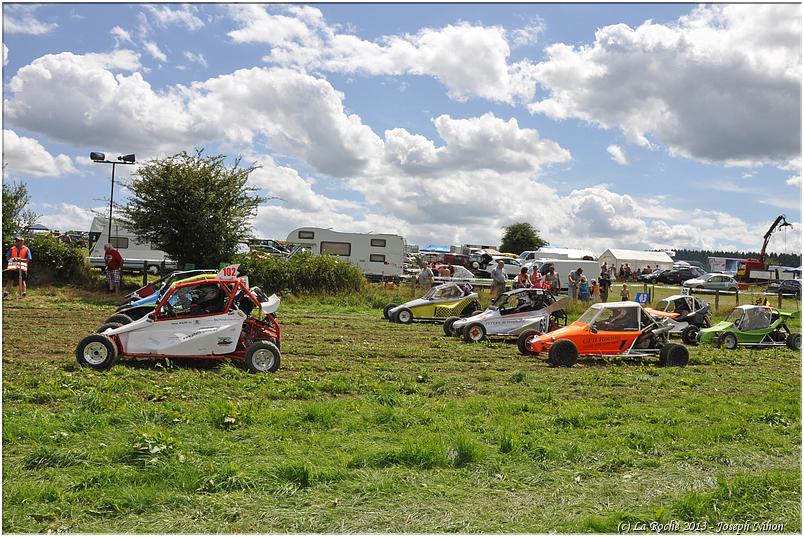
<point x="224" y="341"/>
<point x="601" y="339"/>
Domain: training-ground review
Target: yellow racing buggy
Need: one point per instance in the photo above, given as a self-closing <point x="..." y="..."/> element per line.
<point x="452" y="299"/>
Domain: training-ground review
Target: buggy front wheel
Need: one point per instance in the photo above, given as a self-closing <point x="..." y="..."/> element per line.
<point x="96" y="351"/>
<point x="674" y="355"/>
<point x="387" y="309"/>
<point x="474" y="333"/>
<point x="262" y="357"/>
<point x="729" y="340"/>
<point x="563" y="353"/>
<point x="121" y="318"/>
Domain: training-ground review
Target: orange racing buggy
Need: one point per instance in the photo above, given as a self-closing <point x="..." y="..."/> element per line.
<point x="609" y="329"/>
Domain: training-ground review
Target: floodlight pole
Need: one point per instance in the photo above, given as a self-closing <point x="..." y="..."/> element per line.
<point x="128" y="159"/>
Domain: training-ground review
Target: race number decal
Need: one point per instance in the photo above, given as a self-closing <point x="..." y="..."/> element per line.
<point x="228" y="272"/>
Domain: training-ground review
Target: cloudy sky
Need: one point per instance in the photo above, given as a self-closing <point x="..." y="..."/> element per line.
<point x="635" y="126"/>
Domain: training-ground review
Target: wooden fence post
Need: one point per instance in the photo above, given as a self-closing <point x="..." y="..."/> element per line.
<point x="737" y="297"/>
<point x="717" y="299"/>
<point x="780" y="300"/>
<point x="144" y="273"/>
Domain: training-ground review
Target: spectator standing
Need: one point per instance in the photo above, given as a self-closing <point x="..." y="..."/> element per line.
<point x="624" y="293"/>
<point x="536" y="280"/>
<point x="627" y="272"/>
<point x="522" y="279"/>
<point x="605" y="283"/>
<point x="604" y="268"/>
<point x="583" y="289"/>
<point x="18" y="256"/>
<point x="498" y="279"/>
<point x="443" y="271"/>
<point x="425" y="277"/>
<point x="573" y="279"/>
<point x="621" y="273"/>
<point x="114" y="266"/>
<point x="552" y="281"/>
<point x="595" y="290"/>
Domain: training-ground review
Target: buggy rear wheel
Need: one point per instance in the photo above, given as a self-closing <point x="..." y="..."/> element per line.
<point x="793" y="341"/>
<point x="448" y="322"/>
<point x="563" y="353"/>
<point x="96" y="351"/>
<point x="729" y="340"/>
<point x="522" y="342"/>
<point x="674" y="355"/>
<point x="262" y="357"/>
<point x="387" y="309"/>
<point x="474" y="333"/>
<point x="121" y="318"/>
<point x="690" y="335"/>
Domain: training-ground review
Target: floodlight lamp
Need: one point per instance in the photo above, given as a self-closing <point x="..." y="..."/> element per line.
<point x="97" y="157"/>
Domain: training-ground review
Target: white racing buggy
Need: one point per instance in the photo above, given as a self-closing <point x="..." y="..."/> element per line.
<point x="684" y="314"/>
<point x="440" y="302"/>
<point x="514" y="313"/>
<point x="213" y="318"/>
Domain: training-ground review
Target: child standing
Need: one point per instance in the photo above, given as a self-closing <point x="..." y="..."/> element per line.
<point x="595" y="292"/>
<point x="624" y="294"/>
<point x="583" y="290"/>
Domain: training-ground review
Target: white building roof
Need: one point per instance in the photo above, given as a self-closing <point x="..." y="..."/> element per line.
<point x="638" y="255"/>
<point x="571" y="253"/>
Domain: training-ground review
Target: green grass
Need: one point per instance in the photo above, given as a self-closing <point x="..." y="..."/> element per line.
<point x="378" y="427"/>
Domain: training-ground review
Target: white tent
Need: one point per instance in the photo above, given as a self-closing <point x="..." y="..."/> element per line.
<point x="636" y="259"/>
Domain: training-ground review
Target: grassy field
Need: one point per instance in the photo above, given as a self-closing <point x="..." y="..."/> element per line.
<point x="377" y="427"/>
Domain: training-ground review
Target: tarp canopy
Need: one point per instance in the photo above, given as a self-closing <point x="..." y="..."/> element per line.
<point x="435" y="248"/>
<point x="794" y="270"/>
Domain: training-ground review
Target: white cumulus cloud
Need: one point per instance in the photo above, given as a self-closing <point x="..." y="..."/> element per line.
<point x="723" y="84"/>
<point x="185" y="16"/>
<point x="26" y="156"/>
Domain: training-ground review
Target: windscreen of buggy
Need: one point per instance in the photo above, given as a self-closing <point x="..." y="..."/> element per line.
<point x="756" y="319"/>
<point x="735" y="316"/>
<point x="505" y="300"/>
<point x="617" y="319"/>
<point x="664" y="305"/>
<point x="444" y="291"/>
<point x="589" y="316"/>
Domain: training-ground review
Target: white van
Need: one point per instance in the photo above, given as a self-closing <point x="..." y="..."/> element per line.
<point x="591" y="269"/>
<point x="379" y="256"/>
<point x="135" y="253"/>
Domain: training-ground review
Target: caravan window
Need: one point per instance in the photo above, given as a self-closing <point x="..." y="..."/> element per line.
<point x="119" y="243"/>
<point x="306" y="234"/>
<point x="336" y="248"/>
<point x="379" y="243"/>
<point x="377" y="258"/>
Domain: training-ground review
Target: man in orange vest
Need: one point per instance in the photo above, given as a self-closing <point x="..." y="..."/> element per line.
<point x="18" y="257"/>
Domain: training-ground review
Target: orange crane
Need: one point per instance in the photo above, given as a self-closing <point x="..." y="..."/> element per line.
<point x="746" y="267"/>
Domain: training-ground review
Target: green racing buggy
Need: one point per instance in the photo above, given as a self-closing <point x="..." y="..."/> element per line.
<point x="753" y="326"/>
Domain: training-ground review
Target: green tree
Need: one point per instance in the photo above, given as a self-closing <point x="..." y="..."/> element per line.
<point x="194" y="207"/>
<point x="520" y="237"/>
<point x="15" y="216"/>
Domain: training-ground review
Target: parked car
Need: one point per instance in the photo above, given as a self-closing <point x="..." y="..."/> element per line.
<point x="450" y="299"/>
<point x="217" y="318"/>
<point x="786" y="287"/>
<point x="713" y="282"/>
<point x="754" y="326"/>
<point x="677" y="275"/>
<point x="609" y="329"/>
<point x="511" y="267"/>
<point x="515" y="313"/>
<point x="650" y="277"/>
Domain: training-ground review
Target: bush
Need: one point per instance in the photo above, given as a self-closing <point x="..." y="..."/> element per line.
<point x="302" y="273"/>
<point x="53" y="261"/>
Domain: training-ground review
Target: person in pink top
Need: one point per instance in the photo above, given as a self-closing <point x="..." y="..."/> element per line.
<point x="536" y="280"/>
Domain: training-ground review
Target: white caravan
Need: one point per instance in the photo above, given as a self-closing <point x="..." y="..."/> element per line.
<point x="135" y="253"/>
<point x="379" y="256"/>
